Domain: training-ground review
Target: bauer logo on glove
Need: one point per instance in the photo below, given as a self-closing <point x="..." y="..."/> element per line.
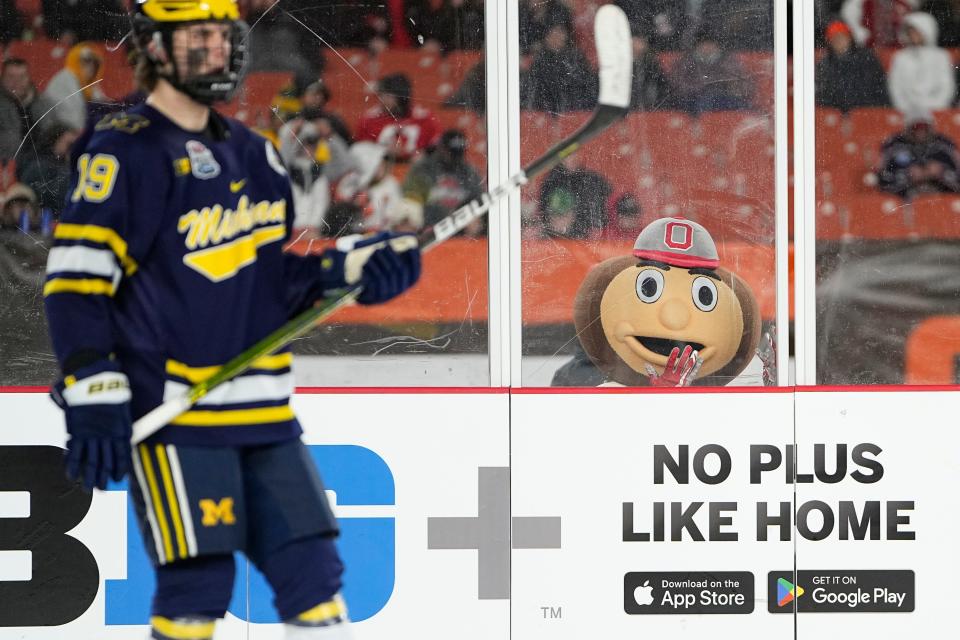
<point x="96" y="403"/>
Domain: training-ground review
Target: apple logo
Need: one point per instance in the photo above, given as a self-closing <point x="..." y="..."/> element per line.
<point x="643" y="594"/>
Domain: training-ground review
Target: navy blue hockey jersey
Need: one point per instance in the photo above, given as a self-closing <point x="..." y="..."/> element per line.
<point x="169" y="257"/>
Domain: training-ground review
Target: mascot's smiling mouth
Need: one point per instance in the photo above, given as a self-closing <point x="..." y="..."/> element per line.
<point x="657" y="350"/>
<point x="663" y="346"/>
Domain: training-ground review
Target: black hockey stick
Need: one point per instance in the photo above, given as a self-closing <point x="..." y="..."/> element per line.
<point x="615" y="57"/>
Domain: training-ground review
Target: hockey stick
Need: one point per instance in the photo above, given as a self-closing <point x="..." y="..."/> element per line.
<point x="615" y="58"/>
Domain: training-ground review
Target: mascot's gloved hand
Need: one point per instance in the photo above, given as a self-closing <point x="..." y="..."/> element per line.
<point x="96" y="403"/>
<point x="681" y="369"/>
<point x="386" y="264"/>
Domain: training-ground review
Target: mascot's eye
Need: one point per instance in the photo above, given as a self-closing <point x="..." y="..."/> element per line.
<point x="704" y="294"/>
<point x="649" y="285"/>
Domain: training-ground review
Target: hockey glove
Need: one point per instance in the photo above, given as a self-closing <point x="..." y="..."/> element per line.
<point x="96" y="403"/>
<point x="385" y="264"/>
<point x="681" y="369"/>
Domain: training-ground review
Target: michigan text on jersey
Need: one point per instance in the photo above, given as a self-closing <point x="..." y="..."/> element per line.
<point x="215" y="250"/>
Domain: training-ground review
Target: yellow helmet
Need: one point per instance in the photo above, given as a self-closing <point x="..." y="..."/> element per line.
<point x="189" y="10"/>
<point x="154" y="22"/>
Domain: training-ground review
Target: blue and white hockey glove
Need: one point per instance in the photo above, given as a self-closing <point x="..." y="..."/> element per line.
<point x="96" y="403"/>
<point x="386" y="264"/>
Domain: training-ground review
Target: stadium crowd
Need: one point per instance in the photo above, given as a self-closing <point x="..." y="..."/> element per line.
<point x="397" y="165"/>
<point x="394" y="165"/>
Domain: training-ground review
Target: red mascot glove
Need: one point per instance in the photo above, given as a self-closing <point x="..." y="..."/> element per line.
<point x="681" y="369"/>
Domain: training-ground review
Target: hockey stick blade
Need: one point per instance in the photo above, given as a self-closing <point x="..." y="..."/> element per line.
<point x="615" y="58"/>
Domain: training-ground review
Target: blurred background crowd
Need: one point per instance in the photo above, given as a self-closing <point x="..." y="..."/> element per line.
<point x="402" y="145"/>
<point x="378" y="109"/>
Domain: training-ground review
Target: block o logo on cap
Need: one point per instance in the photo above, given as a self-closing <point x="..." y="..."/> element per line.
<point x="678" y="242"/>
<point x="678" y="235"/>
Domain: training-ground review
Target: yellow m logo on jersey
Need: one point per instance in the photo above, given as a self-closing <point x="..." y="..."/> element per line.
<point x="215" y="512"/>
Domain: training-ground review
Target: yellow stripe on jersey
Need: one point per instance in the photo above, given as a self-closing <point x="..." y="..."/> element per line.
<point x="325" y="611"/>
<point x="172" y="500"/>
<point x="182" y="630"/>
<point x="90" y="286"/>
<point x="157" y="502"/>
<point x="234" y="417"/>
<point x="225" y="261"/>
<point x="199" y="374"/>
<point x="102" y="235"/>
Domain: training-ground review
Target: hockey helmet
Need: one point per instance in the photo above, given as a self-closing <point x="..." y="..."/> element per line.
<point x="154" y="24"/>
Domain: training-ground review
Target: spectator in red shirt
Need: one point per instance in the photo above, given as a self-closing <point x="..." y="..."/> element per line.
<point x="404" y="128"/>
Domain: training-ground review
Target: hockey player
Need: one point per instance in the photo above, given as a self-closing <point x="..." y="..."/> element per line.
<point x="167" y="263"/>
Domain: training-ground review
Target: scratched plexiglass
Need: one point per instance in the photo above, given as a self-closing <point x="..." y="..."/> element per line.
<point x="887" y="204"/>
<point x="379" y="118"/>
<point x="698" y="143"/>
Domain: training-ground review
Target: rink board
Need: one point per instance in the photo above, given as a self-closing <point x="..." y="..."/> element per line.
<point x="426" y="496"/>
<point x="876" y="553"/>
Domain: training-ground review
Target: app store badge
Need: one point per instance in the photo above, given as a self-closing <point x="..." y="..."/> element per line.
<point x="687" y="592"/>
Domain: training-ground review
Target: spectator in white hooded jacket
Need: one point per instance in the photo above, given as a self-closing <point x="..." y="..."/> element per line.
<point x="921" y="74"/>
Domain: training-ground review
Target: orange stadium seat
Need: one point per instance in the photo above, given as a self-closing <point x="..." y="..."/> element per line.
<point x="948" y="123"/>
<point x="937" y="216"/>
<point x="350" y="79"/>
<point x="732" y="219"/>
<point x="118" y="79"/>
<point x="539" y="131"/>
<point x="840" y="165"/>
<point x="932" y="352"/>
<point x="735" y="151"/>
<point x="874" y="216"/>
<point x="760" y="67"/>
<point x="872" y="126"/>
<point x="829" y="121"/>
<point x="720" y="130"/>
<point x="831" y="221"/>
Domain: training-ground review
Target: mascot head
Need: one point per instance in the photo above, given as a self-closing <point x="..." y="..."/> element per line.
<point x="631" y="311"/>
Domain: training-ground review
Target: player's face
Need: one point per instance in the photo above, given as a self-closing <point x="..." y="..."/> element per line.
<point x="647" y="311"/>
<point x="202" y="49"/>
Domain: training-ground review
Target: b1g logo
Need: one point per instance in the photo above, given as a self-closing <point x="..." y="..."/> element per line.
<point x="70" y="576"/>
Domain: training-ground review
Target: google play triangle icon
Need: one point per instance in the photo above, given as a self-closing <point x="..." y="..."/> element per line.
<point x="787" y="592"/>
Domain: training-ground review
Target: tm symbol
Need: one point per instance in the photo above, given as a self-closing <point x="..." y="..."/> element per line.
<point x="552" y="613"/>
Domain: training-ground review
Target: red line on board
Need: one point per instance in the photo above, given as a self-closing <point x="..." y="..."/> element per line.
<point x="402" y="390"/>
<point x="580" y="390"/>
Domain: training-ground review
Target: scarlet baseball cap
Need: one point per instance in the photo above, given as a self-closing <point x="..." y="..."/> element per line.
<point x="678" y="242"/>
<point x="835" y="28"/>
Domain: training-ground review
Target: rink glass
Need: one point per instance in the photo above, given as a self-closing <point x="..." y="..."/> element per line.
<point x="887" y="270"/>
<point x="686" y="150"/>
<point x="435" y="335"/>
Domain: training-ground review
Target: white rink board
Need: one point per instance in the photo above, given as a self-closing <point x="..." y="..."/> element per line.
<point x="578" y="457"/>
<point x="433" y="445"/>
<point x="583" y="456"/>
<point x="918" y="433"/>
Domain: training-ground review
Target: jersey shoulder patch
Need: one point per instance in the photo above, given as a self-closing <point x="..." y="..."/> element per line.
<point x="122" y="121"/>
